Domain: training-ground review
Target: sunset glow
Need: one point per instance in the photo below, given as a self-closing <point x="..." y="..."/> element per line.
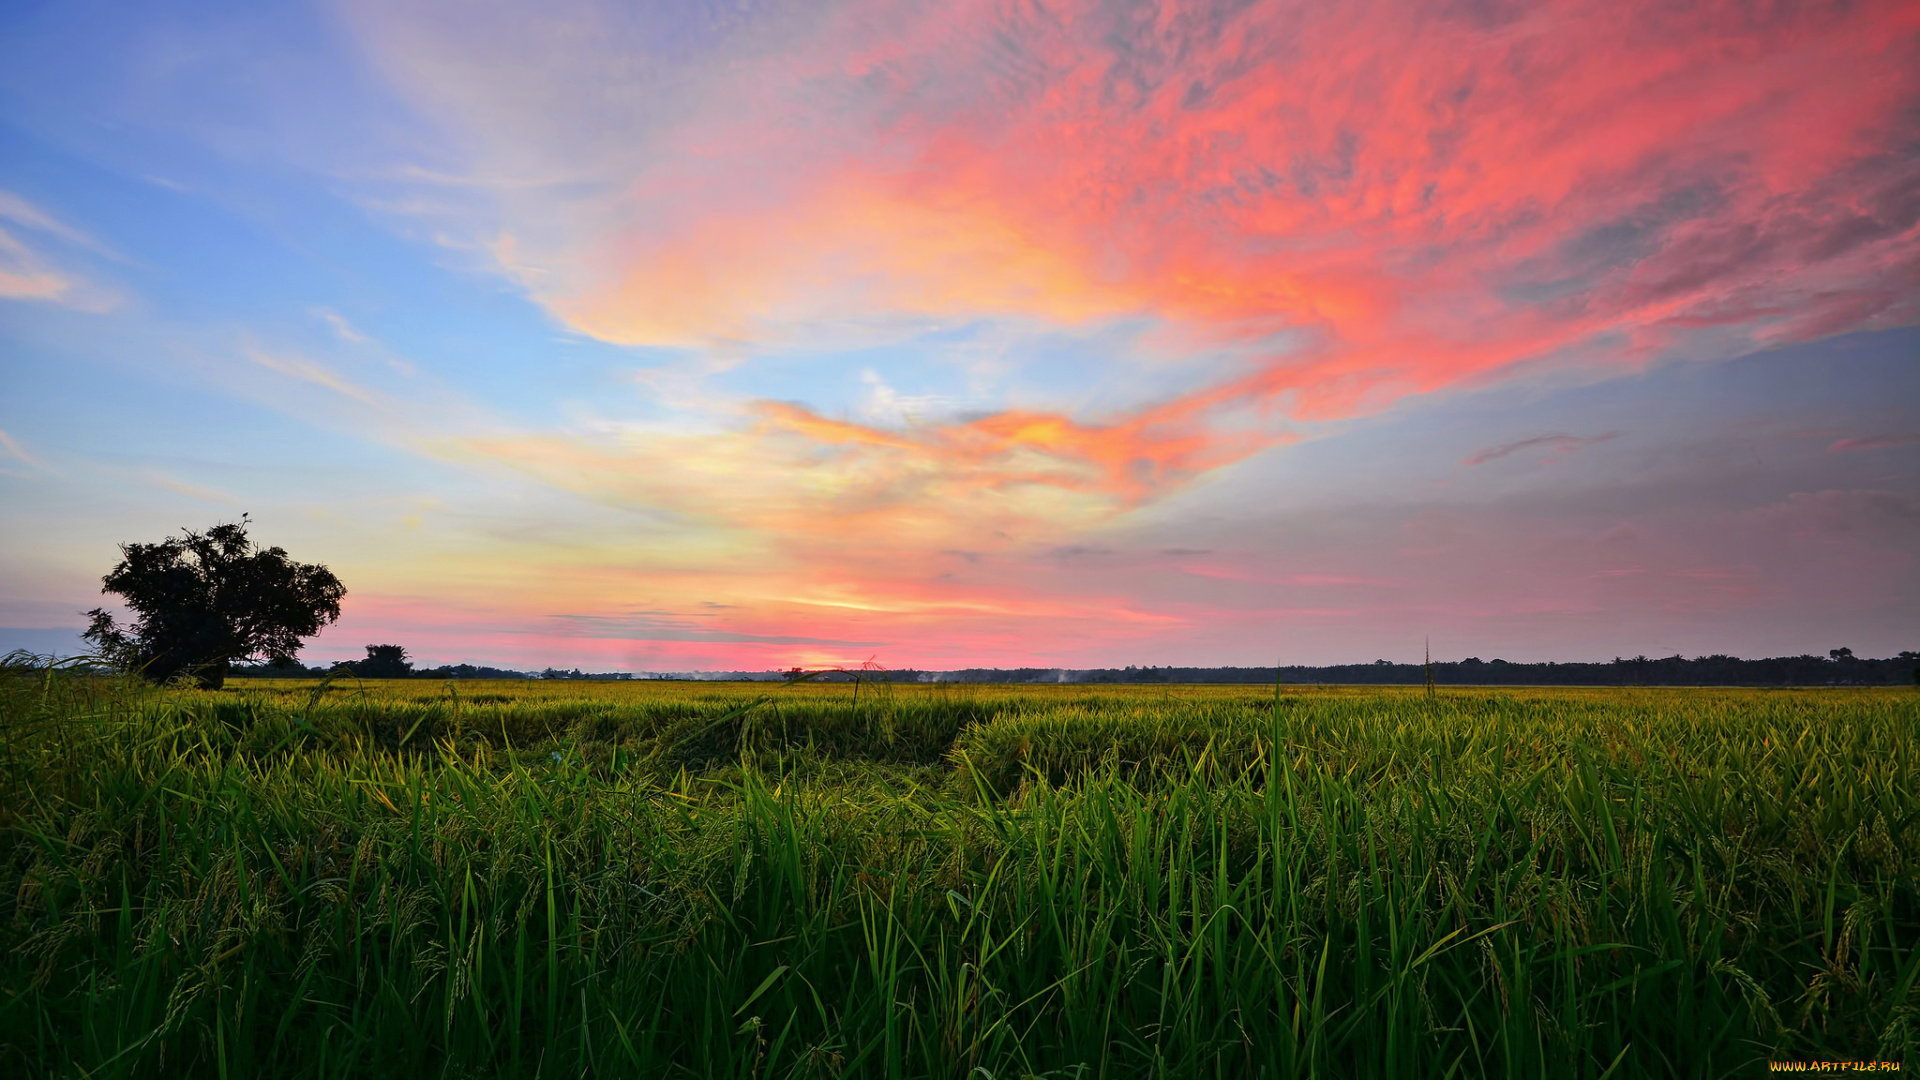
<point x="956" y="334"/>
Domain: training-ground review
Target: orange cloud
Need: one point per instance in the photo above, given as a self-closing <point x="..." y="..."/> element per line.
<point x="764" y="274"/>
<point x="789" y="484"/>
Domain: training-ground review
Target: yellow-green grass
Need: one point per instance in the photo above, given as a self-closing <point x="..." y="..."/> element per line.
<point x="655" y="879"/>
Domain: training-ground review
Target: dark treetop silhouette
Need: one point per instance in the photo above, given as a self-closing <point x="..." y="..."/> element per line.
<point x="384" y="662"/>
<point x="202" y="601"/>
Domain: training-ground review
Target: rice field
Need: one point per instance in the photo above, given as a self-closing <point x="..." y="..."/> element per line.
<point x="551" y="879"/>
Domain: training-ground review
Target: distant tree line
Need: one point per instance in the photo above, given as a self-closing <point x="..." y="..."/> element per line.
<point x="381" y="662"/>
<point x="586" y="676"/>
<point x="1838" y="668"/>
<point x="392" y="662"/>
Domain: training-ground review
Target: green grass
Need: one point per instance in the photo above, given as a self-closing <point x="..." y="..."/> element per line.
<point x="654" y="880"/>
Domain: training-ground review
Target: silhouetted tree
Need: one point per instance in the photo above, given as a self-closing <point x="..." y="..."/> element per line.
<point x="384" y="662"/>
<point x="202" y="601"/>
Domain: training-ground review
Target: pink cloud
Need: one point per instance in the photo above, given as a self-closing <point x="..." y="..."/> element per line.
<point x="1417" y="198"/>
<point x="1367" y="201"/>
<point x="1876" y="442"/>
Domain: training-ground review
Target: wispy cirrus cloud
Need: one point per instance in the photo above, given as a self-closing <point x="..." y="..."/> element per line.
<point x="345" y="329"/>
<point x="25" y="275"/>
<point x="18" y="452"/>
<point x="167" y="482"/>
<point x="302" y="369"/>
<point x="1559" y="444"/>
<point x="29" y="272"/>
<point x="1875" y="442"/>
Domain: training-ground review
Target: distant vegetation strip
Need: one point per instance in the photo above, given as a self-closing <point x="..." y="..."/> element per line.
<point x="347" y="878"/>
<point x="1838" y="668"/>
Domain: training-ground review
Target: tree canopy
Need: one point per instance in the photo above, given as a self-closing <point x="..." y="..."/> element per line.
<point x="203" y="601"/>
<point x="384" y="662"/>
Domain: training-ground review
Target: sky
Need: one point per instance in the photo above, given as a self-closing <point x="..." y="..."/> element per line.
<point x="696" y="336"/>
